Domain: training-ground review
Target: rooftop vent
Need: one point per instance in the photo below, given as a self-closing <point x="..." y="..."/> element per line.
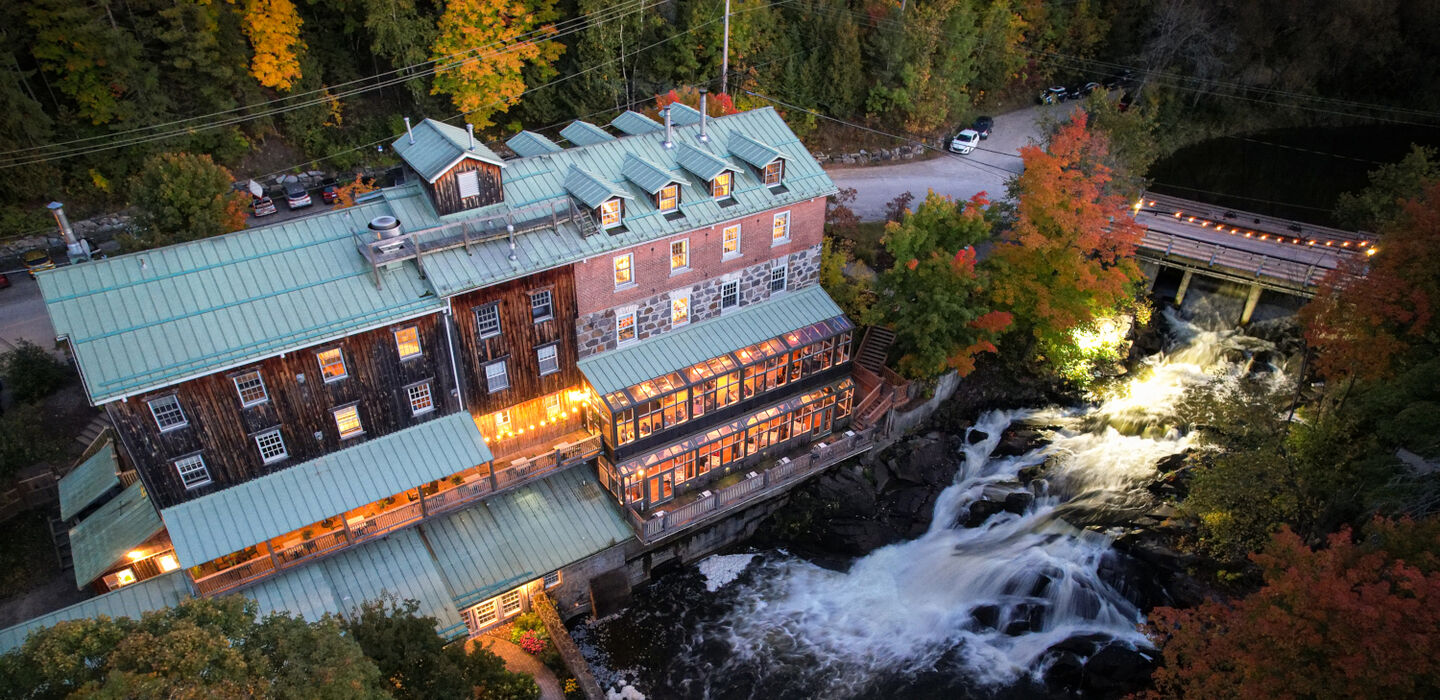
<point x="386" y="227"/>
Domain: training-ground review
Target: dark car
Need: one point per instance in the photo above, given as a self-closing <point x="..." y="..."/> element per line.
<point x="1126" y="100"/>
<point x="1090" y="87"/>
<point x="37" y="260"/>
<point x="1055" y="94"/>
<point x="329" y="193"/>
<point x="4" y="281"/>
<point x="296" y="196"/>
<point x="263" y="206"/>
<point x="1124" y="79"/>
<point x="984" y="125"/>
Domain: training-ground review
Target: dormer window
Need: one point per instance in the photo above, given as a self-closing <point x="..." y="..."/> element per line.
<point x="720" y="186"/>
<point x="668" y="199"/>
<point x="774" y="173"/>
<point x="610" y="212"/>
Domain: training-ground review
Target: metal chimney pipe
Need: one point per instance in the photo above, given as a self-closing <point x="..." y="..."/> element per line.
<point x="470" y="129"/>
<point x="669" y="130"/>
<point x="409" y="131"/>
<point x="704" y="116"/>
<point x="58" y="210"/>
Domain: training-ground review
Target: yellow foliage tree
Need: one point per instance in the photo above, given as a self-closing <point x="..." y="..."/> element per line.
<point x="348" y="192"/>
<point x="482" y="48"/>
<point x="273" y="27"/>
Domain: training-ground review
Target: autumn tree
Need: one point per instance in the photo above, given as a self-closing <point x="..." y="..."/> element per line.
<point x="273" y="27"/>
<point x="482" y="49"/>
<point x="1344" y="621"/>
<point x="346" y="194"/>
<point x="1382" y="201"/>
<point x="184" y="197"/>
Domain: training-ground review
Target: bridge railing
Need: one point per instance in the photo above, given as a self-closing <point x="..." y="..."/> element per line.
<point x="1216" y="255"/>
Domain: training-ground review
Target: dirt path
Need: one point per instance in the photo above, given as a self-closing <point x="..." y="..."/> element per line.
<point x="516" y="659"/>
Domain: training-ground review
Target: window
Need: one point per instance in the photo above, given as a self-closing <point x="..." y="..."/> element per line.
<point x="780" y="230"/>
<point x="469" y="182"/>
<point x="720" y="186"/>
<point x="192" y="471"/>
<point x="777" y="278"/>
<point x="510" y="603"/>
<point x="123" y="577"/>
<point x="625" y="327"/>
<point x="168" y="415"/>
<point x="168" y="562"/>
<point x="679" y="255"/>
<point x="624" y="270"/>
<point x="407" y="341"/>
<point x="549" y="360"/>
<point x="272" y="446"/>
<point x="730" y="294"/>
<point x="730" y="246"/>
<point x="669" y="198"/>
<point x="487" y="320"/>
<point x="774" y="173"/>
<point x="540" y="307"/>
<point x="553" y="409"/>
<point x="332" y="364"/>
<point x="502" y="421"/>
<point x="347" y="420"/>
<point x="496" y="378"/>
<point x="420" y="400"/>
<point x="552" y="579"/>
<point x="680" y="310"/>
<point x="481" y="615"/>
<point x="610" y="213"/>
<point x="251" y="388"/>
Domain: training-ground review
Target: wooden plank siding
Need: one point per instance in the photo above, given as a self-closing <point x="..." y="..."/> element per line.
<point x="445" y="191"/>
<point x="300" y="403"/>
<point x="541" y="426"/>
<point x="517" y="342"/>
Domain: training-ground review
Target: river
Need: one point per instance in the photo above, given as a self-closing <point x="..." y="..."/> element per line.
<point x="958" y="612"/>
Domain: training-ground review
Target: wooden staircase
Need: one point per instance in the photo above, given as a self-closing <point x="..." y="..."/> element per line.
<point x="93" y="430"/>
<point x="874" y="348"/>
<point x="586" y="223"/>
<point x="870" y="377"/>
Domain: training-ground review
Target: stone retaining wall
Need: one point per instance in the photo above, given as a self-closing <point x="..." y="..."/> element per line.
<point x="867" y="157"/>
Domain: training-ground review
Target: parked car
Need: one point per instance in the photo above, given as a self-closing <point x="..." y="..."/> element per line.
<point x="1090" y="87"/>
<point x="296" y="196"/>
<point x="1055" y="94"/>
<point x="1126" y="100"/>
<point x="37" y="260"/>
<point x="330" y="192"/>
<point x="965" y="141"/>
<point x="263" y="206"/>
<point x="4" y="281"/>
<point x="984" y="125"/>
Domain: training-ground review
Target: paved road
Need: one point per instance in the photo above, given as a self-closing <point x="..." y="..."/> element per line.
<point x="22" y="314"/>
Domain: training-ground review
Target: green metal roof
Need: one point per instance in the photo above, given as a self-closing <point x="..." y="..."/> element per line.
<point x="649" y="176"/>
<point x="240" y="516"/>
<point x="438" y="147"/>
<point x="122" y="524"/>
<point x="590" y="189"/>
<point x="635" y="123"/>
<point x="683" y="114"/>
<point x="529" y="143"/>
<point x="660" y="355"/>
<point x="752" y="151"/>
<point x="583" y="133"/>
<point x="523" y="534"/>
<point x="131" y="601"/>
<point x="704" y="164"/>
<point x="89" y="481"/>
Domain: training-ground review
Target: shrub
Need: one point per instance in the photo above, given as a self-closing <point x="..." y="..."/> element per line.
<point x="529" y="622"/>
<point x="33" y="373"/>
<point x="532" y="642"/>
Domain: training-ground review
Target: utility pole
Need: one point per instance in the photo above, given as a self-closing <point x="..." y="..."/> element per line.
<point x="725" y="61"/>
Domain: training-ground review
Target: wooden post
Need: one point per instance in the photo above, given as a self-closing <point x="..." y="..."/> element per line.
<point x="1184" y="286"/>
<point x="424" y="513"/>
<point x="1250" y="302"/>
<point x="274" y="559"/>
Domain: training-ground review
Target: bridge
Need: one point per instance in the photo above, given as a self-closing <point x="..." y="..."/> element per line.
<point x="1264" y="252"/>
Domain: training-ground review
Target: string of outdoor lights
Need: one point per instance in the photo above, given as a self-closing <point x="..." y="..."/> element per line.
<point x="1341" y="245"/>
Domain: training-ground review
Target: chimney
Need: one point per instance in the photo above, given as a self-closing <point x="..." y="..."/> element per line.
<point x="669" y="130"/>
<point x="77" y="250"/>
<point x="704" y="116"/>
<point x="470" y="129"/>
<point x="409" y="131"/>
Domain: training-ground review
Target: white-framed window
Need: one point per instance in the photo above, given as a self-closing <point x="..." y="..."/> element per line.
<point x="679" y="255"/>
<point x="347" y="421"/>
<point x="487" y="320"/>
<point x="272" y="446"/>
<point x="542" y="307"/>
<point x="121" y="578"/>
<point x="777" y="278"/>
<point x="552" y="579"/>
<point x="721" y="185"/>
<point x="469" y="182"/>
<point x="251" y="388"/>
<point x="780" y="229"/>
<point x="774" y="173"/>
<point x="496" y="377"/>
<point x="729" y="294"/>
<point x="624" y="327"/>
<point x="332" y="364"/>
<point x="502" y="421"/>
<point x="510" y="603"/>
<point x="548" y="358"/>
<point x="624" y="270"/>
<point x="192" y="471"/>
<point x="407" y="342"/>
<point x="610" y="212"/>
<point x="668" y="199"/>
<point x="482" y="615"/>
<point x="730" y="242"/>
<point x="420" y="399"/>
<point x="553" y="409"/>
<point x="167" y="412"/>
<point x="680" y="310"/>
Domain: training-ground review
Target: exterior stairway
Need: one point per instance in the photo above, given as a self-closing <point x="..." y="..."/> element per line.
<point x="586" y="223"/>
<point x="874" y="348"/>
<point x="97" y="425"/>
<point x="870" y="372"/>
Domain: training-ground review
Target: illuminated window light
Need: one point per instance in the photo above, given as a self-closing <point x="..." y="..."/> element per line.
<point x="168" y="563"/>
<point x="136" y="555"/>
<point x="124" y="577"/>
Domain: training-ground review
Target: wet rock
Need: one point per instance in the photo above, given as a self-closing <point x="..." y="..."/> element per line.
<point x="987" y="616"/>
<point x="1018" y="502"/>
<point x="980" y="511"/>
<point x="1116" y="668"/>
<point x="977" y="436"/>
<point x="1085" y="604"/>
<point x="1084" y="645"/>
<point x="1026" y="617"/>
<point x="1029" y="474"/>
<point x="1018" y="442"/>
<point x="1067" y="670"/>
<point x="1171" y="463"/>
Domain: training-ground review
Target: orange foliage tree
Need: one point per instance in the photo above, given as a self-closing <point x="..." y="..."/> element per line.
<point x="1069" y="257"/>
<point x="346" y="194"/>
<point x="1346" y="621"/>
<point x="1374" y="310"/>
<point x="717" y="104"/>
<point x="273" y="27"/>
<point x="482" y="48"/>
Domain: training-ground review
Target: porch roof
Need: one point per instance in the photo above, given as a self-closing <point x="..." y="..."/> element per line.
<point x="89" y="481"/>
<point x="122" y="524"/>
<point x="131" y="601"/>
<point x="240" y="516"/>
<point x="660" y="355"/>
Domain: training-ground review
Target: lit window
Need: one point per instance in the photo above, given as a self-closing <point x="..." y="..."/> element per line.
<point x="481" y="615"/>
<point x="332" y="364"/>
<point x="420" y="400"/>
<point x="123" y="577"/>
<point x="407" y="341"/>
<point x="552" y="579"/>
<point x="553" y="409"/>
<point x="549" y="360"/>
<point x="487" y="320"/>
<point x="780" y="230"/>
<point x="625" y="327"/>
<point x="720" y="186"/>
<point x="669" y="198"/>
<point x="510" y="603"/>
<point x="347" y="420"/>
<point x="192" y="471"/>
<point x="610" y="213"/>
<point x="496" y="377"/>
<point x="168" y="415"/>
<point x="272" y="446"/>
<point x="624" y="270"/>
<point x="251" y="388"/>
<point x="502" y="421"/>
<point x="541" y="308"/>
<point x="730" y="294"/>
<point x="777" y="278"/>
<point x="679" y="255"/>
<point x="730" y="246"/>
<point x="167" y="562"/>
<point x="680" y="310"/>
<point x="774" y="173"/>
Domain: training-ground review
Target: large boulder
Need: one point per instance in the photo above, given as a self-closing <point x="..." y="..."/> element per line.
<point x="1116" y="669"/>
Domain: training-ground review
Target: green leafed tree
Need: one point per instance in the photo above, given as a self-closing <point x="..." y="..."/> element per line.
<point x="184" y="197"/>
<point x="99" y="66"/>
<point x="1391" y="185"/>
<point x="402" y="33"/>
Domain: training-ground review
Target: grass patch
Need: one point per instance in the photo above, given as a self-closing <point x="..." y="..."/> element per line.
<point x="27" y="556"/>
